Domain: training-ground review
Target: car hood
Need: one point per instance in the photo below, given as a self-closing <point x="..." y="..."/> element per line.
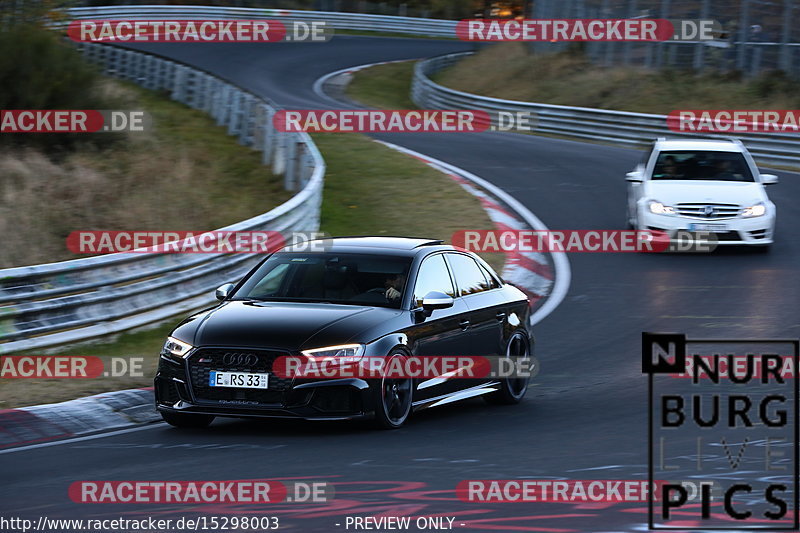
<point x="671" y="192"/>
<point x="280" y="325"/>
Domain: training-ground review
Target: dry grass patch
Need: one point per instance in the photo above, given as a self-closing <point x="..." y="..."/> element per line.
<point x="186" y="174"/>
<point x="509" y="71"/>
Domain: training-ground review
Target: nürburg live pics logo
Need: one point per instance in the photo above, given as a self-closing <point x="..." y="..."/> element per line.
<point x="723" y="420"/>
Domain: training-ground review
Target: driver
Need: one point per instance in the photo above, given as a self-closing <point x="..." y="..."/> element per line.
<point x="671" y="170"/>
<point x="394" y="287"/>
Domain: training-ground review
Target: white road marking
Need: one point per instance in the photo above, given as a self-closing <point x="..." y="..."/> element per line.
<point x="560" y="262"/>
<point x="79" y="439"/>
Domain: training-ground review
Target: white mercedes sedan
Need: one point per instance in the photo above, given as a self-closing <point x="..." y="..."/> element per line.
<point x="702" y="185"/>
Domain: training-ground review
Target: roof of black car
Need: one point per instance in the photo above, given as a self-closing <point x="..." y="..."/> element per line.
<point x="366" y="244"/>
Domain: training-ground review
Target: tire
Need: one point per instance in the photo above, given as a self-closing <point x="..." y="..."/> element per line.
<point x="392" y="399"/>
<point x="187" y="420"/>
<point x="512" y="390"/>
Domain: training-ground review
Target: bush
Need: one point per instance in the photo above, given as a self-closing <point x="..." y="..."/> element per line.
<point x="40" y="71"/>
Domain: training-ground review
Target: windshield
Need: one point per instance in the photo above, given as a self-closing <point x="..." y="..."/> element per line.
<point x="699" y="165"/>
<point x="356" y="279"/>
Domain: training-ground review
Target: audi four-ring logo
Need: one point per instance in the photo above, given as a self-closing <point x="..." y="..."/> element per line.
<point x="239" y="359"/>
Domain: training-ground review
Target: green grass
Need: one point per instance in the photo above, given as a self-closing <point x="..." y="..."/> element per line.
<point x="373" y="190"/>
<point x="383" y="86"/>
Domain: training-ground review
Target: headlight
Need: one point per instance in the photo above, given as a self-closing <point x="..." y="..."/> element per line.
<point x="175" y="348"/>
<point x="658" y="208"/>
<point x="346" y="353"/>
<point x="757" y="210"/>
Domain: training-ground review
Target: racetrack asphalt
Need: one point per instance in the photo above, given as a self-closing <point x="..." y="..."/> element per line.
<point x="585" y="416"/>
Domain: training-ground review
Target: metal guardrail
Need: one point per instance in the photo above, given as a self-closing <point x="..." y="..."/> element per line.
<point x="69" y="301"/>
<point x="339" y="21"/>
<point x="617" y="127"/>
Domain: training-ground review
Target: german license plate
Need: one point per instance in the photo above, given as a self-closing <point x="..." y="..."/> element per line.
<point x="716" y="228"/>
<point x="239" y="380"/>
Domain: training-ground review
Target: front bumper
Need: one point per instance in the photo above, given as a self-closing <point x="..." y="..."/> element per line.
<point x="178" y="389"/>
<point x="737" y="231"/>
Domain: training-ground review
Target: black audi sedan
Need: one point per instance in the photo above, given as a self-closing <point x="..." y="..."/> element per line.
<point x="351" y="298"/>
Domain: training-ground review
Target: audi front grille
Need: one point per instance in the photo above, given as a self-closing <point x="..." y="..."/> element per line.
<point x="205" y="360"/>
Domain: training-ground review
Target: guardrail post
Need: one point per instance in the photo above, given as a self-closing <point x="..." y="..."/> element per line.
<point x="113" y="60"/>
<point x="202" y="91"/>
<point x="190" y="85"/>
<point x="127" y="65"/>
<point x="246" y="125"/>
<point x="269" y="135"/>
<point x="279" y="154"/>
<point x="224" y="105"/>
<point x="177" y="82"/>
<point x="236" y="113"/>
<point x="211" y="88"/>
<point x="290" y="155"/>
<point x="150" y="72"/>
<point x="158" y="73"/>
<point x="140" y="71"/>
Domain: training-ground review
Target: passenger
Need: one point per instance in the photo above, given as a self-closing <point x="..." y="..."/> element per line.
<point x="671" y="170"/>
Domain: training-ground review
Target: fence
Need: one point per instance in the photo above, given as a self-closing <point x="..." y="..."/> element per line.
<point x="618" y="127"/>
<point x="56" y="303"/>
<point x="759" y="35"/>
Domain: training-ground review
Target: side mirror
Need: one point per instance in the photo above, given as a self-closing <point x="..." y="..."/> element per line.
<point x="223" y="291"/>
<point x="634" y="176"/>
<point x="436" y="300"/>
<point x="768" y="179"/>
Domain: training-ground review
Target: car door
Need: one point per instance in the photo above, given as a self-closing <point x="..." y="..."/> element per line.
<point x="487" y="307"/>
<point x="445" y="331"/>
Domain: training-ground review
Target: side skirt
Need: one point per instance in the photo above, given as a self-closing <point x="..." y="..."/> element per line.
<point x="471" y="392"/>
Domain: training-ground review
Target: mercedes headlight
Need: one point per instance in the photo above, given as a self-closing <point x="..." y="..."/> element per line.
<point x="175" y="348"/>
<point x="657" y="208"/>
<point x="346" y="353"/>
<point x="757" y="210"/>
